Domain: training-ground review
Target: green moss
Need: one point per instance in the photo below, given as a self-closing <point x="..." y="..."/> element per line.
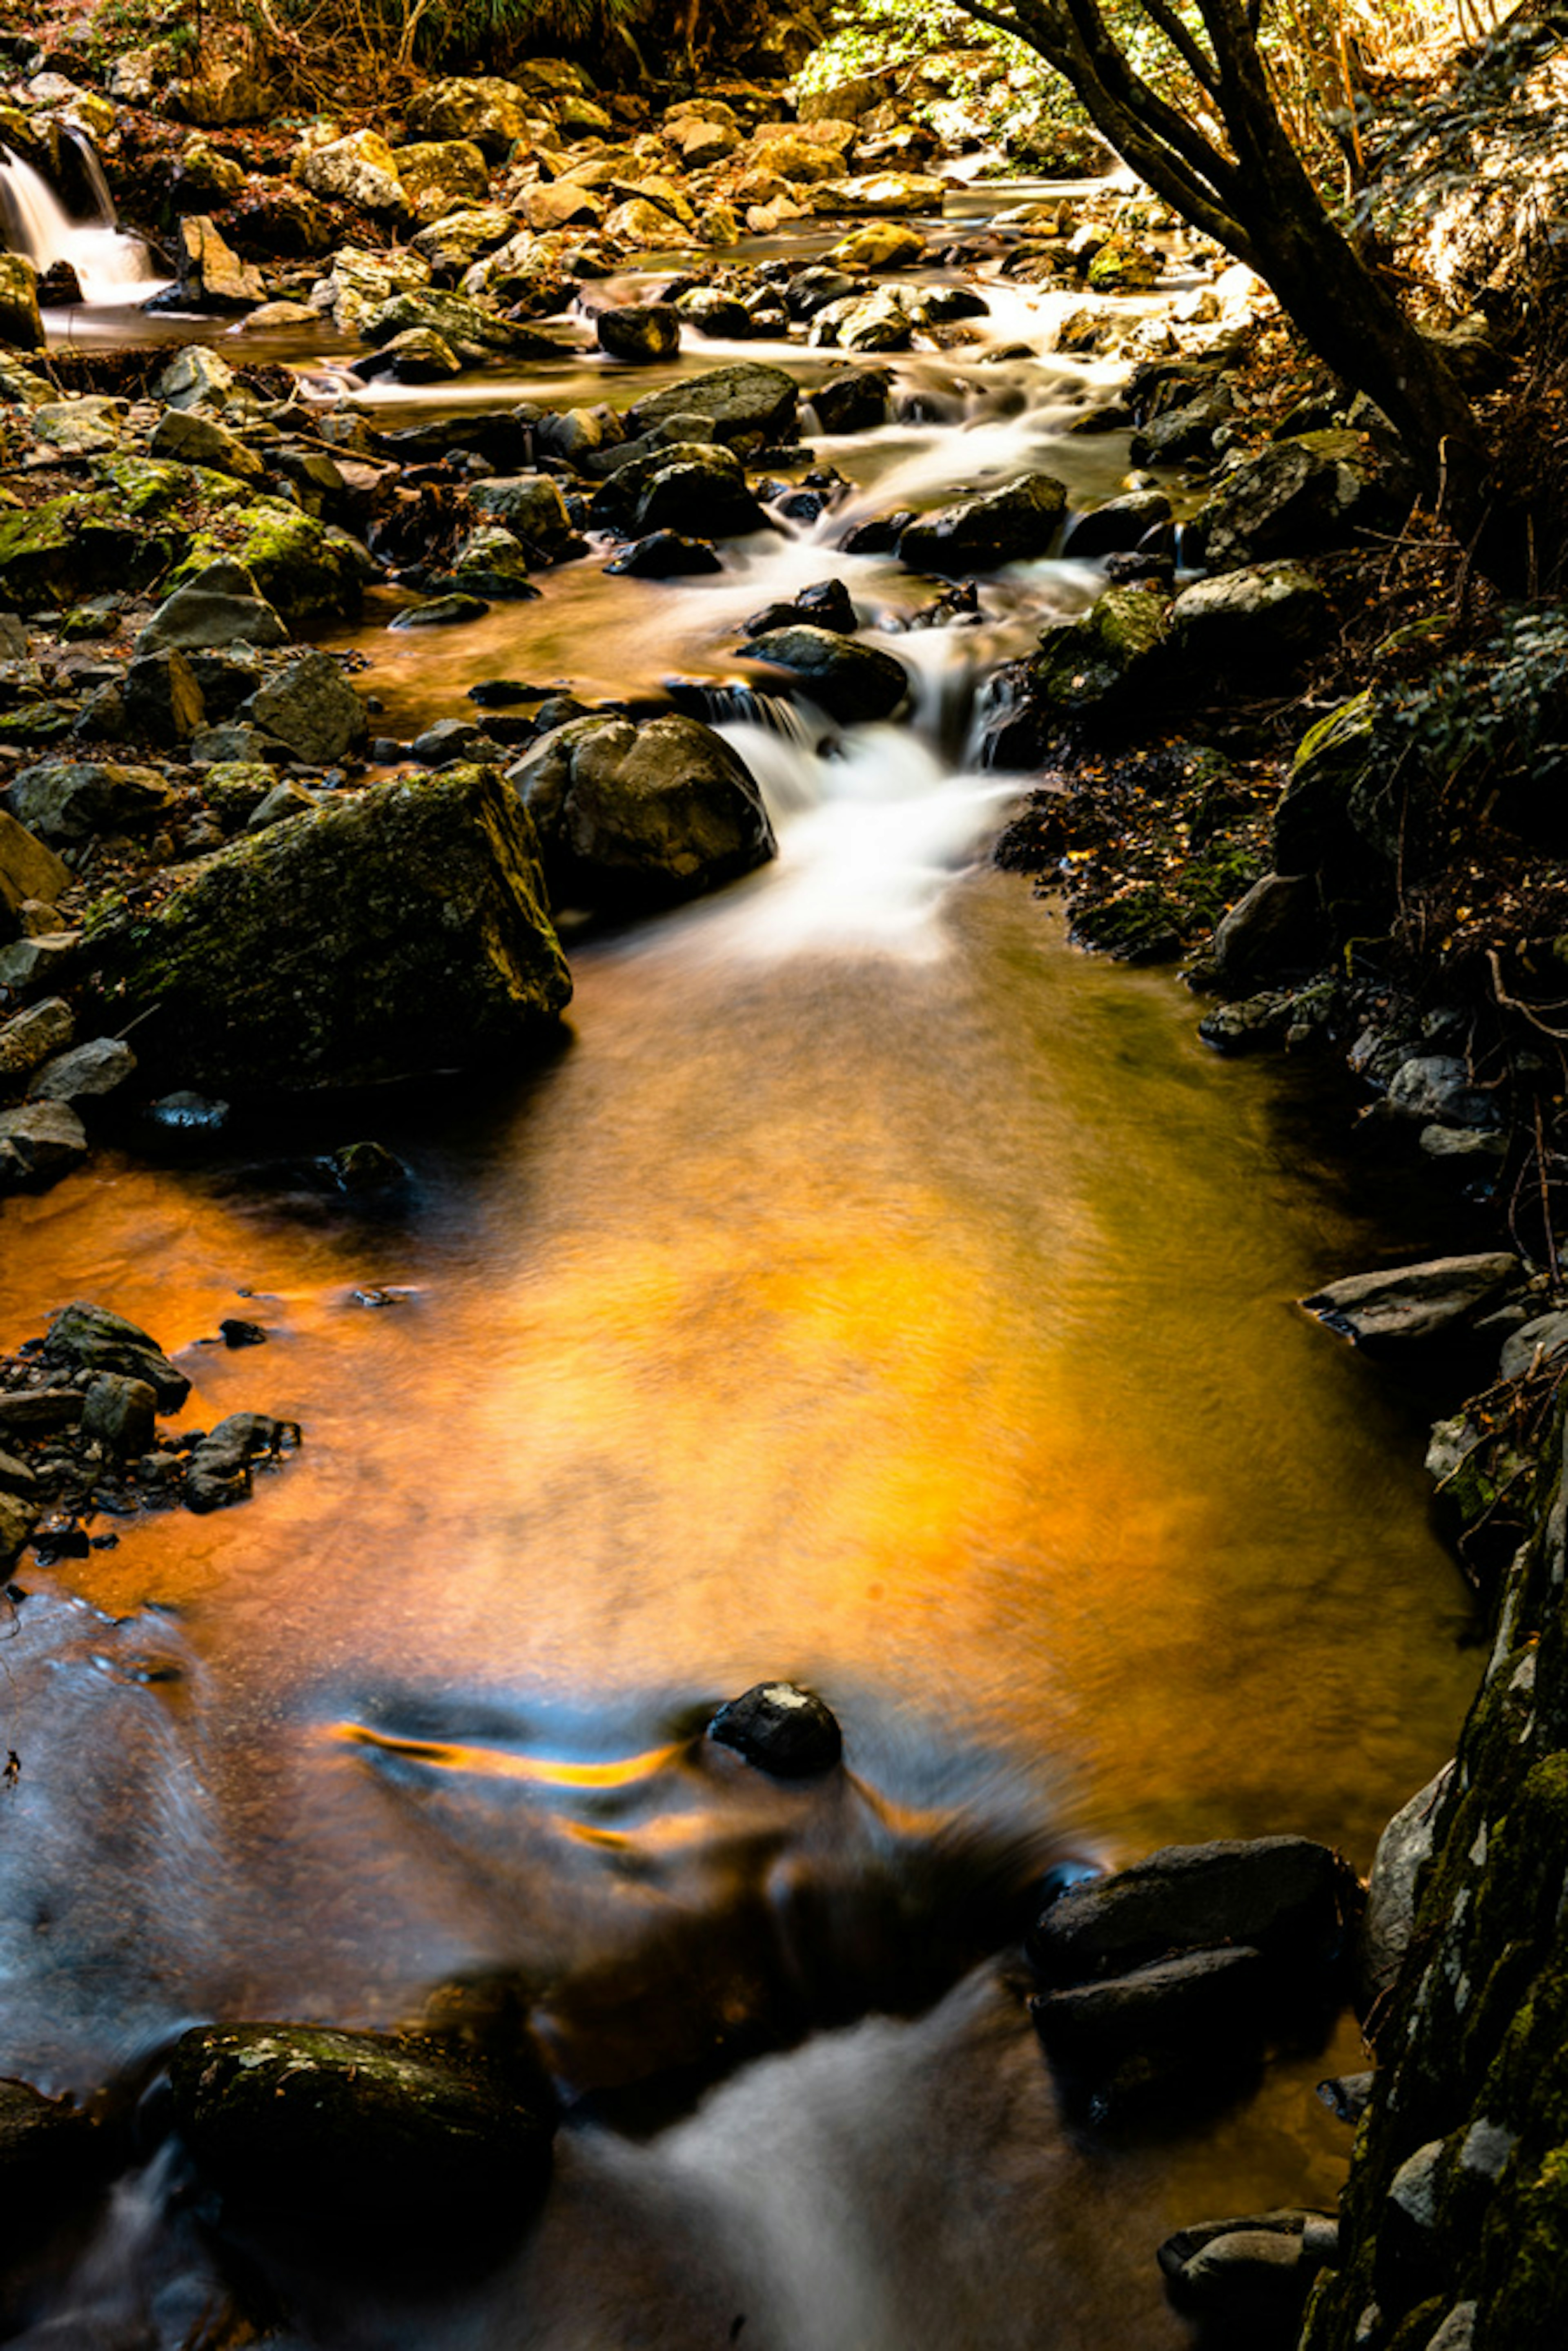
<point x="1525" y="2296"/>
<point x="1092" y="666"/>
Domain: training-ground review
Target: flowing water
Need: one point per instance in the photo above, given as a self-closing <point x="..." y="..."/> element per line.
<point x="873" y="1292"/>
<point x="113" y="268"/>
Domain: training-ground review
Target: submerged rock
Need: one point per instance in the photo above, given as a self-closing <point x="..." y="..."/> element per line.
<point x="393" y="930"/>
<point x="782" y="1728"/>
<point x="333" y="2128"/>
<point x="640" y="816"/>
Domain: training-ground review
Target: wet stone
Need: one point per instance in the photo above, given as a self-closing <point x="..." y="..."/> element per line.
<point x="665" y="555"/>
<point x="119" y="1412"/>
<point x="84" y="1337"/>
<point x="782" y="1728"/>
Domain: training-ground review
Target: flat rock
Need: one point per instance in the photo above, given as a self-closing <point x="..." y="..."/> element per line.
<point x="1279" y="1895"/>
<point x="1441" y="1298"/>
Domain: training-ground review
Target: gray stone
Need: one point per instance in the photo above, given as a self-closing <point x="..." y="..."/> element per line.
<point x="189" y="439"/>
<point x="195" y="378"/>
<point x="40" y="1143"/>
<point x="83" y="1337"/>
<point x="220" y="605"/>
<point x="1540" y="1341"/>
<point x="21" y="320"/>
<point x="1389" y="1919"/>
<point x="162" y="699"/>
<point x="748" y="401"/>
<point x="450" y="741"/>
<point x="1281" y="1895"/>
<point x="67" y="800"/>
<point x="1439" y="1086"/>
<point x="1008" y="525"/>
<point x="444" y="612"/>
<point x="851" y="682"/>
<point x="86" y="1074"/>
<point x="283" y="800"/>
<point x="1276" y="926"/>
<point x="312" y="708"/>
<point x="531" y="507"/>
<point x="31" y="963"/>
<point x="1441" y="1298"/>
<point x="1294" y="496"/>
<point x="17" y="1517"/>
<point x="1118" y="525"/>
<point x="1269" y="613"/>
<point x="27" y="1039"/>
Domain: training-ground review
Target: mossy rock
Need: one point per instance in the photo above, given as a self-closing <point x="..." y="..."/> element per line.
<point x="1089" y="668"/>
<point x="307" y="575"/>
<point x="396" y="931"/>
<point x="1312" y="825"/>
<point x="66" y="549"/>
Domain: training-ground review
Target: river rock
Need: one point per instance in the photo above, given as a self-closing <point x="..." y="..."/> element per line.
<point x="782" y="1728"/>
<point x="492" y="561"/>
<point x="852" y="400"/>
<point x="219" y="605"/>
<point x="212" y="275"/>
<point x="638" y="334"/>
<point x="714" y="313"/>
<point x="356" y="170"/>
<point x="1124" y="2040"/>
<point x="53" y="2156"/>
<point x="219" y="1473"/>
<point x="85" y="1073"/>
<point x="458" y="239"/>
<point x="447" y="611"/>
<point x="160" y="698"/>
<point x="1442" y="1298"/>
<point x="694" y="488"/>
<point x="1441" y="1086"/>
<point x="1284" y="1896"/>
<point x="491" y="112"/>
<point x="27" y="1039"/>
<point x="336" y="2128"/>
<point x="867" y="322"/>
<point x="120" y="1411"/>
<point x="1306" y="492"/>
<point x="1119" y="525"/>
<point x="826" y="604"/>
<point x="531" y="507"/>
<point x="851" y="682"/>
<point x="418" y="355"/>
<point x="395" y="930"/>
<point x="748" y="403"/>
<point x="83" y="1337"/>
<point x="190" y="439"/>
<point x="27" y="964"/>
<point x="976" y="534"/>
<point x="665" y="555"/>
<point x="881" y="245"/>
<point x="1540" y="1341"/>
<point x="71" y="799"/>
<point x="1250" y="2273"/>
<point x="1106" y="661"/>
<point x="29" y="871"/>
<point x="311" y="706"/>
<point x="471" y="332"/>
<point x="1264" y="615"/>
<point x="1276" y="926"/>
<point x="21" y="320"/>
<point x="883" y="192"/>
<point x="195" y="378"/>
<point x="437" y="175"/>
<point x="1403" y="1851"/>
<point x="640" y="816"/>
<point x="40" y="1143"/>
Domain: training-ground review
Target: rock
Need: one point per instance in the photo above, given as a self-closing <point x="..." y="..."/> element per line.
<point x="1389" y="1919"/>
<point x="28" y="870"/>
<point x="665" y="555"/>
<point x="86" y="1338"/>
<point x="417" y="356"/>
<point x="21" y="320"/>
<point x="457" y="241"/>
<point x="493" y="562"/>
<point x="29" y="964"/>
<point x="119" y="1412"/>
<point x="639" y="817"/>
<point x="1442" y="1298"/>
<point x="342" y="2129"/>
<point x="1248" y="2274"/>
<point x="86" y="427"/>
<point x="67" y="548"/>
<point x="1268" y="613"/>
<point x="193" y="440"/>
<point x="195" y="378"/>
<point x="1119" y="524"/>
<point x="395" y="930"/>
<point x="1124" y="2040"/>
<point x="491" y="112"/>
<point x="881" y="245"/>
<point x="311" y="706"/>
<point x="309" y="576"/>
<point x="1105" y="662"/>
<point x="202" y="173"/>
<point x="356" y="170"/>
<point x="17" y="1520"/>
<point x="52" y="2157"/>
<point x="695" y="488"/>
<point x="40" y="1143"/>
<point x="284" y="800"/>
<point x="162" y="699"/>
<point x="1284" y="1896"/>
<point x="1346" y="2096"/>
<point x="227" y="88"/>
<point x="714" y="313"/>
<point x="1312" y="823"/>
<point x="532" y="509"/>
<point x="995" y="526"/>
<point x="883" y="192"/>
<point x="1294" y="496"/>
<point x="86" y="1074"/>
<point x="555" y="203"/>
<point x="437" y="175"/>
<point x="851" y="682"/>
<point x="361" y="283"/>
<point x="1277" y="925"/>
<point x="871" y="322"/>
<point x="368" y="1168"/>
<point x="219" y="1474"/>
<point x="748" y="401"/>
<point x="69" y="800"/>
<point x="218" y="605"/>
<point x="28" y="1038"/>
<point x="782" y="1728"/>
<point x="701" y="142"/>
<point x="1439" y="1086"/>
<point x="825" y="605"/>
<point x="1538" y="1341"/>
<point x="442" y="612"/>
<point x="450" y="742"/>
<point x="473" y="333"/>
<point x="212" y="275"/>
<point x="639" y="333"/>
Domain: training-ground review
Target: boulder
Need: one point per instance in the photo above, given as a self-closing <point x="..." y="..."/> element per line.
<point x="418" y="355"/>
<point x="87" y="427"/>
<point x="492" y="561"/>
<point x="395" y="930"/>
<point x="491" y="112"/>
<point x="219" y="605"/>
<point x="1313" y="824"/>
<point x="555" y="203"/>
<point x="86" y="1074"/>
<point x="1540" y="1341"/>
<point x="852" y="400"/>
<point x="640" y="816"/>
<point x="826" y="604"/>
<point x="195" y="378"/>
<point x="665" y="555"/>
<point x="311" y="706"/>
<point x="160" y="698"/>
<point x="458" y="240"/>
<point x="696" y="489"/>
<point x="220" y="1466"/>
<point x="1265" y="614"/>
<point x="881" y="245"/>
<point x="1276" y="926"/>
<point x="638" y="334"/>
<point x="1389" y="1920"/>
<point x="1118" y="525"/>
<point x="1120" y="2040"/>
<point x="851" y="682"/>
<point x="1296" y="495"/>
<point x="865" y="322"/>
<point x="83" y="1337"/>
<point x="120" y="1411"/>
<point x="531" y="507"/>
<point x="437" y="175"/>
<point x="447" y="611"/>
<point x="53" y="2157"/>
<point x="782" y="1728"/>
<point x="471" y="332"/>
<point x="882" y="192"/>
<point x="995" y="526"/>
<point x="1250" y="2273"/>
<point x="356" y="170"/>
<point x="1282" y="1897"/>
<point x="748" y="402"/>
<point x="353" y="2129"/>
<point x="1099" y="665"/>
<point x="1441" y="1087"/>
<point x="71" y="548"/>
<point x="714" y="313"/>
<point x="1442" y="1298"/>
<point x="71" y="799"/>
<point x="309" y="575"/>
<point x="30" y="870"/>
<point x="212" y="275"/>
<point x="193" y="440"/>
<point x="21" y="320"/>
<point x="27" y="1039"/>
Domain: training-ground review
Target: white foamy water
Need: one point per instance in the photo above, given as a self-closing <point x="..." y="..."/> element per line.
<point x="112" y="267"/>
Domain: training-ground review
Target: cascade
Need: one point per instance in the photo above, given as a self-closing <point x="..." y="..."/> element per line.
<point x="112" y="267"/>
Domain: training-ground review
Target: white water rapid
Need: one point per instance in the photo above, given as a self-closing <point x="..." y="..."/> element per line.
<point x="113" y="268"/>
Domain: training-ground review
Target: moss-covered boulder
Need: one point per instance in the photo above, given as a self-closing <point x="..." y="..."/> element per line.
<point x="69" y="547"/>
<point x="309" y="574"/>
<point x="393" y="931"/>
<point x="1089" y="667"/>
<point x="21" y="322"/>
<point x="332" y="2128"/>
<point x="1305" y="492"/>
<point x="1313" y="824"/>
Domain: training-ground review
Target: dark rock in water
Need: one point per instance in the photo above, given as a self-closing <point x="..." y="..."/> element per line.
<point x="782" y="1728"/>
<point x="1283" y="1895"/>
<point x="978" y="534"/>
<point x="333" y="2128"/>
<point x="881" y="535"/>
<point x="311" y="706"/>
<point x="1346" y="2095"/>
<point x="697" y="489"/>
<point x="503" y="693"/>
<point x="640" y="333"/>
<point x="87" y="1338"/>
<point x="52" y="2157"/>
<point x="856" y="400"/>
<point x="393" y="930"/>
<point x="442" y="612"/>
<point x="1117" y="527"/>
<point x="825" y="605"/>
<point x="363" y="1168"/>
<point x="235" y="1333"/>
<point x="219" y="1474"/>
<point x="119" y="1412"/>
<point x="1442" y="1298"/>
<point x="1126" y="2039"/>
<point x="451" y="740"/>
<point x="1251" y="2274"/>
<point x="665" y="555"/>
<point x="1277" y="927"/>
<point x="749" y="402"/>
<point x="851" y="682"/>
<point x="40" y="1143"/>
<point x="642" y="816"/>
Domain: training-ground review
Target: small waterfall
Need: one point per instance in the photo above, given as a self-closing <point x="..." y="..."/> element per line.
<point x="110" y="268"/>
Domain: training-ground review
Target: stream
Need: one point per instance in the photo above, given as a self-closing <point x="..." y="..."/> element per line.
<point x="873" y="1292"/>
